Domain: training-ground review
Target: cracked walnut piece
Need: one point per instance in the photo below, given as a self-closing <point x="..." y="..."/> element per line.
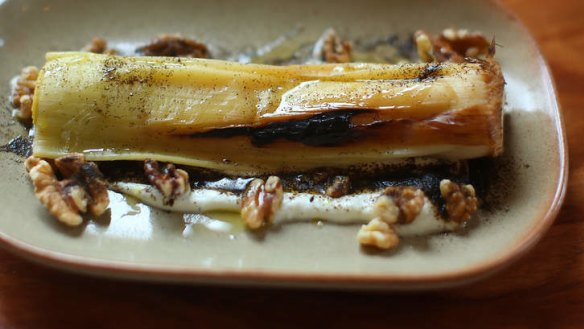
<point x="99" y="46"/>
<point x="340" y="186"/>
<point x="335" y="50"/>
<point x="452" y="46"/>
<point x="170" y="181"/>
<point x="409" y="200"/>
<point x="83" y="189"/>
<point x="461" y="200"/>
<point x="85" y="174"/>
<point x="386" y="209"/>
<point x="378" y="233"/>
<point x="23" y="93"/>
<point x="261" y="200"/>
<point x="397" y="204"/>
<point x="63" y="203"/>
<point x="48" y="190"/>
<point x="175" y="46"/>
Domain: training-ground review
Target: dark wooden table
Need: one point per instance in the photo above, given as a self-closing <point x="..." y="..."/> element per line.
<point x="543" y="290"/>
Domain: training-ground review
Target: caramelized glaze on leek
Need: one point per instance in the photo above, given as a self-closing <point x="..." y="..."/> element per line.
<point x="206" y="112"/>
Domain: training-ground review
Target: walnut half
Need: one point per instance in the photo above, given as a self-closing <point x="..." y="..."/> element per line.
<point x="86" y="174"/>
<point x="170" y="181"/>
<point x="175" y="46"/>
<point x="378" y="234"/>
<point x="261" y="200"/>
<point x="452" y="45"/>
<point x="340" y="186"/>
<point x="48" y="190"/>
<point x="397" y="204"/>
<point x="82" y="189"/>
<point x="334" y="50"/>
<point x="23" y="93"/>
<point x="461" y="200"/>
<point x="99" y="46"/>
<point x="386" y="209"/>
<point x="408" y="199"/>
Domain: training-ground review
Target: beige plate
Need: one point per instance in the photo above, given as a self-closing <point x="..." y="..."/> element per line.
<point x="138" y="242"/>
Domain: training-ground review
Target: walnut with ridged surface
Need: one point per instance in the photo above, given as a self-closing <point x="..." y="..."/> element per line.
<point x="335" y="50"/>
<point x="452" y="45"/>
<point x="340" y="186"/>
<point x="86" y="174"/>
<point x="62" y="203"/>
<point x="386" y="209"/>
<point x="260" y="202"/>
<point x="82" y="189"/>
<point x="379" y="234"/>
<point x="175" y="46"/>
<point x="99" y="46"/>
<point x="23" y="93"/>
<point x="409" y="200"/>
<point x="461" y="201"/>
<point x="170" y="181"/>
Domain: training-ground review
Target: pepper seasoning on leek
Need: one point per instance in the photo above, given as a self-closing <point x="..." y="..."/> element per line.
<point x="251" y="119"/>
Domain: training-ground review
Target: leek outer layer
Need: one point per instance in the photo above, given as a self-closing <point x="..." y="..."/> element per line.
<point x="201" y="112"/>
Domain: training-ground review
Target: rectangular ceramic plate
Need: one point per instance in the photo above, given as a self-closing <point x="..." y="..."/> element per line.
<point x="138" y="242"/>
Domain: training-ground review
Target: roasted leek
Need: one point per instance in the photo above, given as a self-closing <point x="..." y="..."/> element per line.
<point x="247" y="118"/>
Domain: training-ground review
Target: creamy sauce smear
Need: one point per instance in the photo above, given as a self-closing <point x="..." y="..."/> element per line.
<point x="219" y="211"/>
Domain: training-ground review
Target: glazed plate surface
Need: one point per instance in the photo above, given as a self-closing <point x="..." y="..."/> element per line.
<point x="137" y="242"/>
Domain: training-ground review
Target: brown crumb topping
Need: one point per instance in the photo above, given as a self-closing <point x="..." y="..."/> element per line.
<point x="23" y="92"/>
<point x="452" y="45"/>
<point x="261" y="200"/>
<point x="409" y="200"/>
<point x="170" y="181"/>
<point x="335" y="50"/>
<point x="461" y="201"/>
<point x="340" y="186"/>
<point x="175" y="46"/>
<point x="99" y="46"/>
<point x="83" y="189"/>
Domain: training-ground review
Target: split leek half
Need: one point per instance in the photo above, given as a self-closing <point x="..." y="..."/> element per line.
<point x="248" y="118"/>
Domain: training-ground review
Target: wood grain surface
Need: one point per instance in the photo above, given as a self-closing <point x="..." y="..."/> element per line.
<point x="545" y="289"/>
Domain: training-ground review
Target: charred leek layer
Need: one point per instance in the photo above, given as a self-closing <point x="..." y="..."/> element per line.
<point x="209" y="113"/>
